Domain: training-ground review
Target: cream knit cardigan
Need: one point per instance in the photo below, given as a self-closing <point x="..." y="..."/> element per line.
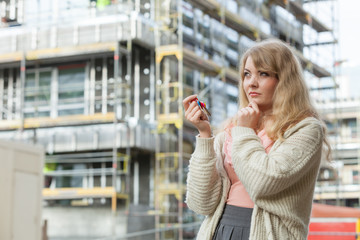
<point x="280" y="183"/>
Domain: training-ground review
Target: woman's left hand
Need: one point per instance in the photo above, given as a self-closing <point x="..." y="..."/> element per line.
<point x="249" y="116"/>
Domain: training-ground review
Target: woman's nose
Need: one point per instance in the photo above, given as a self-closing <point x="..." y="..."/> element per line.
<point x="254" y="81"/>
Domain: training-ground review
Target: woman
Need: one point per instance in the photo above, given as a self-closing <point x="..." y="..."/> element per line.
<point x="255" y="180"/>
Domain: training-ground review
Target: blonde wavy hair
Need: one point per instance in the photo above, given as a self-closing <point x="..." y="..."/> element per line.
<point x="291" y="99"/>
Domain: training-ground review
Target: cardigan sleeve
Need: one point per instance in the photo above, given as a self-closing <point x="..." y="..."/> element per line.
<point x="204" y="185"/>
<point x="267" y="174"/>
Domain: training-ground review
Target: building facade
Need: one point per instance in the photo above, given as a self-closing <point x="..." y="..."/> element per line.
<point x="100" y="85"/>
<point x="342" y="117"/>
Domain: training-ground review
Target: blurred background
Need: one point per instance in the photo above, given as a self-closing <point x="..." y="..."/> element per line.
<point x="93" y="140"/>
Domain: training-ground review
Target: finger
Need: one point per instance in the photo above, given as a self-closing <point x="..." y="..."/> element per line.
<point x="190" y="109"/>
<point x="195" y="109"/>
<point x="204" y="116"/>
<point x="197" y="116"/>
<point x="254" y="106"/>
<point x="244" y="111"/>
<point x="250" y="110"/>
<point x="188" y="100"/>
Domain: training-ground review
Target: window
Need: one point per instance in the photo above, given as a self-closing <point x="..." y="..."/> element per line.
<point x="71" y="80"/>
<point x="355" y="175"/>
<point x="351" y="123"/>
<point x="10" y="93"/>
<point x="37" y="93"/>
<point x="110" y="84"/>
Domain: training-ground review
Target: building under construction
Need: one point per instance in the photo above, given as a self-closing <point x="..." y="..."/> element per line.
<point x="100" y="84"/>
<point x="344" y="187"/>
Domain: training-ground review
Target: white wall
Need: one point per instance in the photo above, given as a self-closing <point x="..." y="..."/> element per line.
<point x="21" y="184"/>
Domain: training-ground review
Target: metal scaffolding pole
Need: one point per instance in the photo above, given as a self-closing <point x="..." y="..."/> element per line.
<point x="22" y="95"/>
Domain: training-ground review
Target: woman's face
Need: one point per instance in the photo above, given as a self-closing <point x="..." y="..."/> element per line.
<point x="259" y="86"/>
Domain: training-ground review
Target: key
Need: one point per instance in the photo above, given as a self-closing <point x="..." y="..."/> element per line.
<point x="202" y="106"/>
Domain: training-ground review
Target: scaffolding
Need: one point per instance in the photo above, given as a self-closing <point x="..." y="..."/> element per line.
<point x="192" y="47"/>
<point x="31" y="105"/>
<point x="169" y="185"/>
<point x="324" y="45"/>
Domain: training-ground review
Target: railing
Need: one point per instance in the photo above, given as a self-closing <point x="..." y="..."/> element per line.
<point x="191" y="227"/>
<point x="70" y="28"/>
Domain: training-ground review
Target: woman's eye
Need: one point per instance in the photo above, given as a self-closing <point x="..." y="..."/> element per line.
<point x="246" y="74"/>
<point x="265" y="74"/>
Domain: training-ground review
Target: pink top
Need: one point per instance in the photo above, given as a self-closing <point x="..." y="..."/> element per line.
<point x="238" y="195"/>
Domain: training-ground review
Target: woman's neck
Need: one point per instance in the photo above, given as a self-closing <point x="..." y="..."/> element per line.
<point x="265" y="119"/>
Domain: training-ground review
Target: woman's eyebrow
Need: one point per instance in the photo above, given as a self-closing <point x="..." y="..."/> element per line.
<point x="245" y="69"/>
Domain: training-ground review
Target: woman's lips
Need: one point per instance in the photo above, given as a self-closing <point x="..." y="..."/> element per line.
<point x="254" y="94"/>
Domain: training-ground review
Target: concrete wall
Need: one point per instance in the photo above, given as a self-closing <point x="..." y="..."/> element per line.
<point x="21" y="183"/>
<point x="84" y="222"/>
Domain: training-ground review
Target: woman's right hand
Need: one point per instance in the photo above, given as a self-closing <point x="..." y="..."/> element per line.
<point x="196" y="116"/>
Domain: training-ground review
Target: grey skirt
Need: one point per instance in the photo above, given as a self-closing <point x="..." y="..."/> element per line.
<point x="234" y="224"/>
